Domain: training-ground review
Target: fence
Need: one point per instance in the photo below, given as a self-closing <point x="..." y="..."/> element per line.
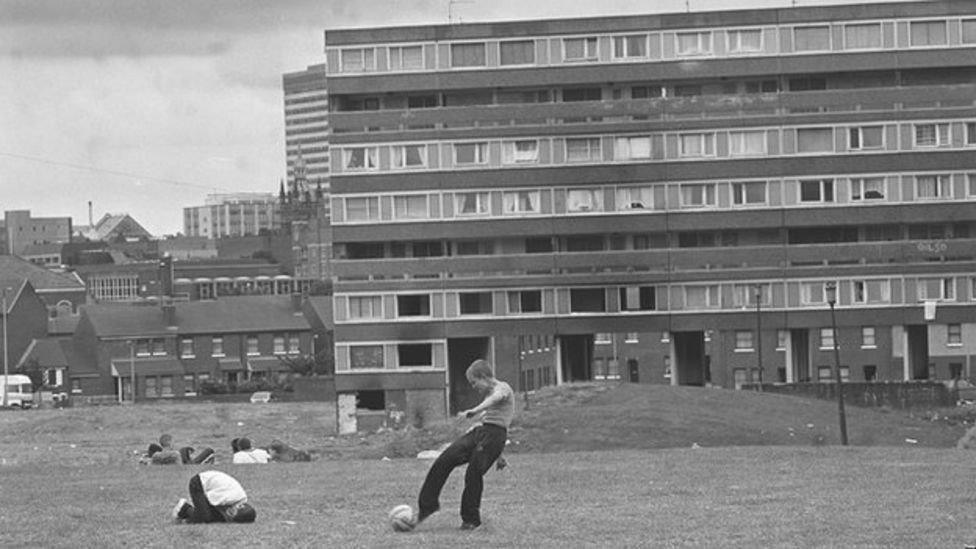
<point x="893" y="394"/>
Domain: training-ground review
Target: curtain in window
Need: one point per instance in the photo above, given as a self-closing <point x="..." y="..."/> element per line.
<point x="634" y="45"/>
<point x="516" y="152"/>
<point x="747" y="143"/>
<point x="517" y="53"/>
<point x="471" y="203"/>
<point x="626" y="148"/>
<point x="523" y="201"/>
<point x="407" y="57"/>
<point x="410" y="206"/>
<point x="811" y="38"/>
<point x="634" y="198"/>
<point x="410" y="156"/>
<point x="468" y="55"/>
<point x="746" y="40"/>
<point x="361" y="209"/>
<point x="585" y="200"/>
<point x="862" y="36"/>
<point x="581" y="150"/>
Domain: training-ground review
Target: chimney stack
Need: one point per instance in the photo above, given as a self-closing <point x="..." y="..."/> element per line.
<point x="296" y="302"/>
<point x="169" y="314"/>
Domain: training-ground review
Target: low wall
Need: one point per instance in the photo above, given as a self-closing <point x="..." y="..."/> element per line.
<point x="893" y="394"/>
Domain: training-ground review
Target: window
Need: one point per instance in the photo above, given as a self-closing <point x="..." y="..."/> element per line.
<point x="525" y="301"/>
<point x="744" y="295"/>
<point x="928" y="33"/>
<point x="252" y="346"/>
<point x="867" y="188"/>
<point x="365" y="357"/>
<point x="644" y="92"/>
<point x="782" y="339"/>
<point x="415" y="354"/>
<point x="410" y="156"/>
<point x="747" y="143"/>
<point x="152" y="386"/>
<point x="422" y="101"/>
<point x="472" y="203"/>
<point x="520" y="202"/>
<point x="743" y="340"/>
<point x="470" y="153"/>
<point x="826" y="338"/>
<point x="186" y="347"/>
<point x="694" y="43"/>
<point x="142" y="347"/>
<point x="969" y="31"/>
<point x="468" y="55"/>
<point x="635" y="198"/>
<point x="696" y="145"/>
<point x="583" y="149"/>
<point x="580" y="49"/>
<point x="933" y="186"/>
<point x="866" y="138"/>
<point x="159" y="347"/>
<point x="744" y="40"/>
<point x="871" y="291"/>
<point x="521" y="52"/>
<point x="811" y="38"/>
<point x="629" y="148"/>
<point x="817" y="190"/>
<point x="971" y="133"/>
<point x="812" y="293"/>
<point x="294" y="344"/>
<point x="814" y="140"/>
<point x="825" y="374"/>
<point x="410" y="206"/>
<point x="954" y="334"/>
<point x="357" y="59"/>
<point x="369" y="306"/>
<point x="587" y="300"/>
<point x="748" y="193"/>
<point x="602" y="338"/>
<point x="936" y="289"/>
<point x="807" y="83"/>
<point x="359" y="158"/>
<point x="523" y="151"/>
<point x="762" y="86"/>
<point x="584" y="200"/>
<point x="931" y="135"/>
<point x="632" y="337"/>
<point x="637" y="298"/>
<point x="868" y="337"/>
<point x="697" y="195"/>
<point x="278" y="346"/>
<point x="217" y="346"/>
<point x="475" y="303"/>
<point x="189" y="384"/>
<point x="365" y="208"/>
<point x="701" y="297"/>
<point x="413" y="305"/>
<point x="406" y="58"/>
<point x="862" y="36"/>
<point x="631" y="45"/>
<point x="971" y="179"/>
<point x="76" y="386"/>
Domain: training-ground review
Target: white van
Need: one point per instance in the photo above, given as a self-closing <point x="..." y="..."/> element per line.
<point x="19" y="391"/>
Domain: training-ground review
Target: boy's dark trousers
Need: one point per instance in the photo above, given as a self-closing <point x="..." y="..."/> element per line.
<point x="479" y="448"/>
<point x="202" y="510"/>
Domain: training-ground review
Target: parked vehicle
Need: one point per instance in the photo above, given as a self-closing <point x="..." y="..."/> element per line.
<point x="261" y="397"/>
<point x="19" y="391"/>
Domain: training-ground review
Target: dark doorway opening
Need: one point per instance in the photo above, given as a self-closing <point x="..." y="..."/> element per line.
<point x="577" y="357"/>
<point x="918" y="351"/>
<point x="461" y="352"/>
<point x="690" y="360"/>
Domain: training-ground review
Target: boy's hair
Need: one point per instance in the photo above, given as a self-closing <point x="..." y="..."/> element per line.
<point x="480" y="369"/>
<point x="244" y="444"/>
<point x="166" y="441"/>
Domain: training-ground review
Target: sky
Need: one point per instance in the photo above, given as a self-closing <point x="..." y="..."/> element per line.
<point x="146" y="106"/>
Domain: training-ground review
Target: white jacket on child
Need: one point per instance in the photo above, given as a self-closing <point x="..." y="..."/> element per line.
<point x="255" y="455"/>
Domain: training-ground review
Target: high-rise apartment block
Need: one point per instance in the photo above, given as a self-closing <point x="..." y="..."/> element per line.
<point x="663" y="198"/>
<point x="236" y="214"/>
<point x="306" y="127"/>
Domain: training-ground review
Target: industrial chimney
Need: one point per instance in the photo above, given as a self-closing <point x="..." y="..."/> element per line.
<point x="91" y="221"/>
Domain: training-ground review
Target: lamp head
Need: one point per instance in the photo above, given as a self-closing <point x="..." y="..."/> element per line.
<point x="830" y="290"/>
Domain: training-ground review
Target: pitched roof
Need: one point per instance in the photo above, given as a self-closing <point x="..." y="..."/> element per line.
<point x="110" y="223"/>
<point x="62" y="325"/>
<point x="49" y="352"/>
<point x="14" y="270"/>
<point x="322" y="306"/>
<point x="238" y="314"/>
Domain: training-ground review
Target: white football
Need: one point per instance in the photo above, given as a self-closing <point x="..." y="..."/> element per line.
<point x="401" y="518"/>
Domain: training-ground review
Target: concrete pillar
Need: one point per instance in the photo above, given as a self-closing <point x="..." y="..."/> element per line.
<point x="346" y="413"/>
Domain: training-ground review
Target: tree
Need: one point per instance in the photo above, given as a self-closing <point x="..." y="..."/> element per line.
<point x="32" y="369"/>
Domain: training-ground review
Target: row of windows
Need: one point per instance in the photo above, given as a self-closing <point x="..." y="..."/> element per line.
<point x="282" y="343"/>
<point x="656" y="46"/>
<point x="684" y="297"/>
<point x="650" y="197"/>
<point x="114" y="287"/>
<point x="689" y="145"/>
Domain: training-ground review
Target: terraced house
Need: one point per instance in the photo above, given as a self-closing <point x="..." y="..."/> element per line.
<point x="661" y="198"/>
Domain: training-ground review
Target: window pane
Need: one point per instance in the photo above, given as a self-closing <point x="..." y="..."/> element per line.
<point x="745" y="40"/>
<point x="862" y="36"/>
<point x="362" y="209"/>
<point x="520" y="152"/>
<point x="468" y="55"/>
<point x="928" y="33"/>
<point x="584" y="200"/>
<point x="811" y="38"/>
<point x="580" y="48"/>
<point x="517" y="53"/>
<point x="969" y="31"/>
<point x="815" y="140"/>
<point x="410" y="206"/>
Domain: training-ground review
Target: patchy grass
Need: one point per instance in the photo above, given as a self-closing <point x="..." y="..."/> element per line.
<point x="772" y="496"/>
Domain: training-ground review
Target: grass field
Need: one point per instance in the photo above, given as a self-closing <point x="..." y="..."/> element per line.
<point x="766" y="472"/>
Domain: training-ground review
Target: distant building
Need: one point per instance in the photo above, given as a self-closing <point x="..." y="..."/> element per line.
<point x="60" y="292"/>
<point x="115" y="228"/>
<point x="24" y="231"/>
<point x="173" y="349"/>
<point x="238" y="214"/>
<point x="46" y="255"/>
<point x="24" y="319"/>
<point x="306" y="127"/>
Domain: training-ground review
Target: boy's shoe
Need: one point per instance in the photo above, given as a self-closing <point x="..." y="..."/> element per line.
<point x="182" y="510"/>
<point x="470" y="525"/>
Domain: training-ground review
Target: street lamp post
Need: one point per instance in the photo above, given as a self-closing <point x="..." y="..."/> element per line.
<point x="831" y="290"/>
<point x="759" y="356"/>
<point x="5" y="367"/>
<point x="132" y="370"/>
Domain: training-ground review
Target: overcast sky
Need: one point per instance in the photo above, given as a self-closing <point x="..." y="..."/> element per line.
<point x="146" y="106"/>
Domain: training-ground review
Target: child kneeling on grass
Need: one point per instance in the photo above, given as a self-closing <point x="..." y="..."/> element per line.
<point x="479" y="447"/>
<point x="215" y="497"/>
